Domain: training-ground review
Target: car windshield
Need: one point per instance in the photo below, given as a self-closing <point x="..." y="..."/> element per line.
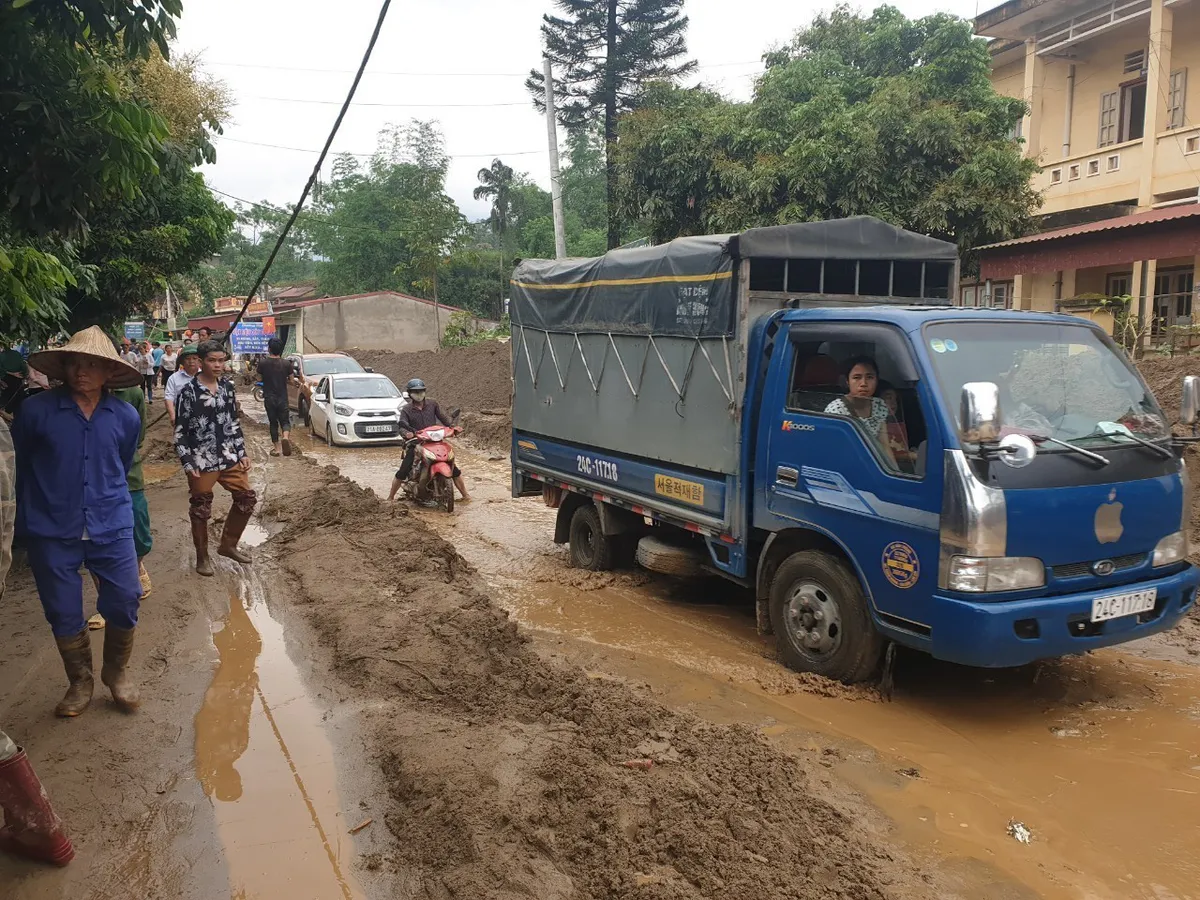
<point x="330" y="365"/>
<point x="1065" y="382"/>
<point x="368" y="388"/>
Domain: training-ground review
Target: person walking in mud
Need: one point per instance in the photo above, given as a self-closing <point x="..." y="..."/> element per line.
<point x="31" y="829"/>
<point x="188" y="367"/>
<point x="274" y="372"/>
<point x="420" y="413"/>
<point x="75" y="447"/>
<point x="212" y="450"/>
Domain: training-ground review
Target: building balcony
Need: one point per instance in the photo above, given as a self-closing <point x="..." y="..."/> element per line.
<point x="1177" y="161"/>
<point x="1110" y="175"/>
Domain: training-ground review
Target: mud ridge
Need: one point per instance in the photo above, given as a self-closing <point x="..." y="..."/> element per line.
<point x="513" y="774"/>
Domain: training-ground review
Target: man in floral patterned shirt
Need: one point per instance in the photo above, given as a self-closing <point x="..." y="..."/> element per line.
<point x="212" y="449"/>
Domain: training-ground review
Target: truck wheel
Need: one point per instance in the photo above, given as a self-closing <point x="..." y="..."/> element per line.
<point x="820" y="618"/>
<point x="657" y="555"/>
<point x="590" y="547"/>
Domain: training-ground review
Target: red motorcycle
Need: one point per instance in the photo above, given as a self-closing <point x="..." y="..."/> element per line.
<point x="431" y="481"/>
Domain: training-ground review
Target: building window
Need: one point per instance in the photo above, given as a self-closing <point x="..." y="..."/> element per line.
<point x="1173" y="292"/>
<point x="1109" y="104"/>
<point x="1056" y="176"/>
<point x="968" y="296"/>
<point x="1114" y="162"/>
<point x="1192" y="145"/>
<point x="1177" y="99"/>
<point x="1002" y="292"/>
<point x="1133" y="111"/>
<point x="1073" y="172"/>
<point x="1117" y="284"/>
<point x="1015" y="134"/>
<point x="1093" y="167"/>
<point x="1135" y="61"/>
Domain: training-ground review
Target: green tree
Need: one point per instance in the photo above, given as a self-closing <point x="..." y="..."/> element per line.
<point x="875" y="114"/>
<point x="496" y="184"/>
<point x="603" y="52"/>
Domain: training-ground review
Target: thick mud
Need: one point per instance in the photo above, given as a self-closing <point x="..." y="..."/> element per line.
<point x="1092" y="754"/>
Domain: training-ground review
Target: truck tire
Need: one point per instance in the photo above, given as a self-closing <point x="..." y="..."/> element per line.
<point x="660" y="556"/>
<point x="591" y="548"/>
<point x="821" y="621"/>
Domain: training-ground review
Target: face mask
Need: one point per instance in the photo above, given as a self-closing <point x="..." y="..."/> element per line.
<point x="417" y="396"/>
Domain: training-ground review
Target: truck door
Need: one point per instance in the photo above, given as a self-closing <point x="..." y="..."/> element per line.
<point x="864" y="473"/>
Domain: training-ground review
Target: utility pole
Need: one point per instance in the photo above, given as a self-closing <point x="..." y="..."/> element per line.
<point x="560" y="236"/>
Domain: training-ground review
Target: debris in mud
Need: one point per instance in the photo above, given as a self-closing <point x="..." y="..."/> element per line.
<point x="360" y="826"/>
<point x="646" y="764"/>
<point x="911" y="772"/>
<point x="1060" y="732"/>
<point x="659" y="751"/>
<point x="1019" y="832"/>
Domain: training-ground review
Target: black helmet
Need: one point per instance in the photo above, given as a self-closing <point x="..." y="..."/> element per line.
<point x="414" y="384"/>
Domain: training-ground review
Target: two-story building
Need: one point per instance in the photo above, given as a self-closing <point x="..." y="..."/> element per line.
<point x="1116" y="129"/>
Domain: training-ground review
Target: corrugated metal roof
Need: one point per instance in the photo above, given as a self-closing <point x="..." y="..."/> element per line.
<point x="1149" y="217"/>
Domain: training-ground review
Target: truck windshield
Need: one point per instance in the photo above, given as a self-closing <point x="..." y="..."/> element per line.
<point x="1066" y="382"/>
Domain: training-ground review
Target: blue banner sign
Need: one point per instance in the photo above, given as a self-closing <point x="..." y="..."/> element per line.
<point x="135" y="331"/>
<point x="249" y="337"/>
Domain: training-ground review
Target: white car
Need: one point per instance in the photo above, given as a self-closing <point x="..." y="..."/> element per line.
<point x="357" y="408"/>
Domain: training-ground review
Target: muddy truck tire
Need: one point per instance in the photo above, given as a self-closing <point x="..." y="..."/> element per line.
<point x="820" y="618"/>
<point x="591" y="548"/>
<point x="657" y="555"/>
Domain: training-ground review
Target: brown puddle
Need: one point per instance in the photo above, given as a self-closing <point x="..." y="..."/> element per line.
<point x="264" y="760"/>
<point x="1098" y="756"/>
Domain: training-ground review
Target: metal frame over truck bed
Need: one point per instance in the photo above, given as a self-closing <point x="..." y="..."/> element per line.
<point x="629" y="370"/>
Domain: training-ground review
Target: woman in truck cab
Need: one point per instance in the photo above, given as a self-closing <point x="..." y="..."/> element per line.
<point x="861" y="381"/>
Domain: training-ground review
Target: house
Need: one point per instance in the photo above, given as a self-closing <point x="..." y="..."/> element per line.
<point x="380" y="320"/>
<point x="1116" y="129"/>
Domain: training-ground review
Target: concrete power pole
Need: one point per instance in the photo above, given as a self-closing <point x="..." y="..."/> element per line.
<point x="560" y="236"/>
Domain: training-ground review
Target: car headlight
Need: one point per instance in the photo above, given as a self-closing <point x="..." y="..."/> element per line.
<point x="985" y="575"/>
<point x="1171" y="549"/>
<point x="342" y="410"/>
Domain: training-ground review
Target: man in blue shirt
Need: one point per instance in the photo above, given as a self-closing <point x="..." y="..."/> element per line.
<point x="75" y="446"/>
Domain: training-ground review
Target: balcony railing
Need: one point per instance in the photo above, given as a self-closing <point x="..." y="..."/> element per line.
<point x="1086" y="24"/>
<point x="1106" y="175"/>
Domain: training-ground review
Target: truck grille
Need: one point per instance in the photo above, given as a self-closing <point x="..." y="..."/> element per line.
<point x="1075" y="570"/>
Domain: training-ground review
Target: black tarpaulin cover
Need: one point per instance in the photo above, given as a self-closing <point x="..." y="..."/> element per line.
<point x="685" y="287"/>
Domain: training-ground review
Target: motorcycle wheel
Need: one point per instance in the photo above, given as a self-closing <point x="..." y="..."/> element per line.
<point x="257" y="393"/>
<point x="445" y="493"/>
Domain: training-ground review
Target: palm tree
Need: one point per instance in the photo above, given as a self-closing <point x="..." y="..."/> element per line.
<point x="495" y="183"/>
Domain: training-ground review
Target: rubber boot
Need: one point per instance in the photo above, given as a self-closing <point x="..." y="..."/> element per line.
<point x="76" y="653"/>
<point x="235" y="524"/>
<point x="200" y="539"/>
<point x="31" y="829"/>
<point x="118" y="647"/>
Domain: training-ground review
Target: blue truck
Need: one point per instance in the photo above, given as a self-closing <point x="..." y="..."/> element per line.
<point x="801" y="410"/>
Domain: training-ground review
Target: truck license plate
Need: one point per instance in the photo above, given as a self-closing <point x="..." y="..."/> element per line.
<point x="1118" y="605"/>
<point x="376" y="429"/>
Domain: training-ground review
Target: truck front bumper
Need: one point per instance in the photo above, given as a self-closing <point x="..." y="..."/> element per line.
<point x="996" y="634"/>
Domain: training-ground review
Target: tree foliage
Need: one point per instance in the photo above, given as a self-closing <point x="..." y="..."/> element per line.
<point x="603" y="52"/>
<point x="875" y="114"/>
<point x="96" y="162"/>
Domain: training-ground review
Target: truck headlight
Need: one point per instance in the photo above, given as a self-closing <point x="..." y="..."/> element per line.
<point x="985" y="575"/>
<point x="342" y="410"/>
<point x="1171" y="549"/>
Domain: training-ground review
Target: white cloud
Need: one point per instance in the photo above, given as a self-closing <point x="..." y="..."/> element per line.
<point x="274" y="49"/>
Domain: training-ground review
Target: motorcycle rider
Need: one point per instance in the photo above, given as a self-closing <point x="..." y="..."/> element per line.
<point x="419" y="414"/>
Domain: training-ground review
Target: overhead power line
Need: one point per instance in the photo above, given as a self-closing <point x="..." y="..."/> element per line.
<point x="397" y="105"/>
<point x="316" y="172"/>
<point x="524" y="74"/>
<point x="220" y="138"/>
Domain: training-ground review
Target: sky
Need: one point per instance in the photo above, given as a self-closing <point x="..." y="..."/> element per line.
<point x="289" y="64"/>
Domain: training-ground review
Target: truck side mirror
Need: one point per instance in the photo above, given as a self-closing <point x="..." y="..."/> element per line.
<point x="979" y="412"/>
<point x="1189" y="404"/>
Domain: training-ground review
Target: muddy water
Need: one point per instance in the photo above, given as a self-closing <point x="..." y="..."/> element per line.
<point x="264" y="760"/>
<point x="1099" y="756"/>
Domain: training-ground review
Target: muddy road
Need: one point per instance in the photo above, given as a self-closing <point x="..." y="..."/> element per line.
<point x="1099" y="756"/>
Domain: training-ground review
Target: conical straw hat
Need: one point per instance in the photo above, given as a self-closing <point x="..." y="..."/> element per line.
<point x="89" y="342"/>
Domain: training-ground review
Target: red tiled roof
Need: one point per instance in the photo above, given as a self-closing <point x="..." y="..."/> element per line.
<point x="1149" y="217"/>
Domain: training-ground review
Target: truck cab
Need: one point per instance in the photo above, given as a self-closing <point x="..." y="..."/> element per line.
<point x="1055" y="524"/>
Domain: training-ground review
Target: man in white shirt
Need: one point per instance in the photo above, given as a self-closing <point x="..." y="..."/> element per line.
<point x="188" y="366"/>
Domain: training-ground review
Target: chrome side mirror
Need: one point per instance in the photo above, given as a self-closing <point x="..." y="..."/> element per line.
<point x="1189" y="404"/>
<point x="979" y="412"/>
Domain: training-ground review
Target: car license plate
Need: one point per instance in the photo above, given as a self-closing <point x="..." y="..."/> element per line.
<point x="1118" y="605"/>
<point x="376" y="429"/>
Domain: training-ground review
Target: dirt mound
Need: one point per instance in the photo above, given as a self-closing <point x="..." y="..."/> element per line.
<point x="1165" y="374"/>
<point x="476" y="378"/>
<point x="515" y="775"/>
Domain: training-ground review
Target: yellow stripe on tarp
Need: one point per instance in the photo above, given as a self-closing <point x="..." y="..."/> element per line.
<point x="612" y="282"/>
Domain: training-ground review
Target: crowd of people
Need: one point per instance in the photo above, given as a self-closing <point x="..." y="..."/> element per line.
<point x="72" y="495"/>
